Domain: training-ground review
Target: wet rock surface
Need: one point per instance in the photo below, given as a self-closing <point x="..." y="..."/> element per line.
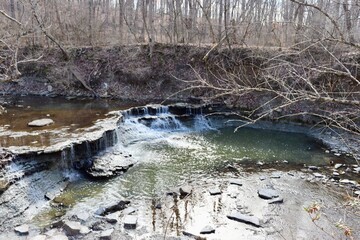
<point x="110" y="165"/>
<point x="237" y="216"/>
<point x="41" y="122"/>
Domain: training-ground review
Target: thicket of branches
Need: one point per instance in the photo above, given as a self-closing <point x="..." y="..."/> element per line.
<point x="331" y="27"/>
<point x="246" y="22"/>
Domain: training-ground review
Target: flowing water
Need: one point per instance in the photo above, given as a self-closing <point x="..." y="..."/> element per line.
<point x="170" y="152"/>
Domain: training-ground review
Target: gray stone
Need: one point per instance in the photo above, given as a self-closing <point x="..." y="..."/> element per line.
<point x="72" y="228"/>
<point x="207" y="230"/>
<point x="357" y="193"/>
<point x="112" y="207"/>
<point x="275" y="175"/>
<point x="112" y="218"/>
<point x="347" y="181"/>
<point x="244" y="218"/>
<point x="106" y="235"/>
<point x="130" y="222"/>
<point x="109" y="165"/>
<point x="336" y="174"/>
<point x="262" y="178"/>
<point x="83" y="216"/>
<point x="215" y="191"/>
<point x="58" y="237"/>
<point x="192" y="235"/>
<point x="357" y="170"/>
<point x="41" y="122"/>
<point x="267" y="193"/>
<point x="338" y="165"/>
<point x="276" y="200"/>
<point x="39" y="237"/>
<point x="129" y="210"/>
<point x="22" y="230"/>
<point x="318" y="175"/>
<point x="185" y="191"/>
<point x="313" y="168"/>
<point x="84" y="230"/>
<point x="235" y="182"/>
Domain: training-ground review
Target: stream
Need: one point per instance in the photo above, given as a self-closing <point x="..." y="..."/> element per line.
<point x="169" y="151"/>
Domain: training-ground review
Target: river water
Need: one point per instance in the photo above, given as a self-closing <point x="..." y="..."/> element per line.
<point x="171" y="151"/>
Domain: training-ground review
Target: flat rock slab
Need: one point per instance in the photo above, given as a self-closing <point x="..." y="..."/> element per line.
<point x="106" y="235"/>
<point x="276" y="200"/>
<point x="112" y="207"/>
<point x="130" y="222"/>
<point x="215" y="191"/>
<point x="72" y="228"/>
<point x="236" y="216"/>
<point x="109" y="165"/>
<point x="262" y="178"/>
<point x="318" y="175"/>
<point x="267" y="193"/>
<point x="41" y="122"/>
<point x="58" y="237"/>
<point x="22" y="230"/>
<point x="207" y="230"/>
<point x="185" y="191"/>
<point x="275" y="175"/>
<point x="112" y="217"/>
<point x="235" y="182"/>
<point x="129" y="210"/>
<point x="313" y="168"/>
<point x="39" y="237"/>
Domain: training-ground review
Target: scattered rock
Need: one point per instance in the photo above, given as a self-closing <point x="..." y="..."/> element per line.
<point x="41" y="122"/>
<point x="130" y="222"/>
<point x="207" y="230"/>
<point x="337" y="154"/>
<point x="112" y="217"/>
<point x="338" y="165"/>
<point x="83" y="216"/>
<point x="22" y="229"/>
<point x="58" y="237"/>
<point x="313" y="168"/>
<point x="357" y="193"/>
<point x="267" y="193"/>
<point x="109" y="165"/>
<point x="189" y="234"/>
<point x="275" y="175"/>
<point x="106" y="235"/>
<point x="235" y="182"/>
<point x="114" y="207"/>
<point x="336" y="174"/>
<point x="39" y="237"/>
<point x="318" y="175"/>
<point x="130" y="210"/>
<point x="357" y="170"/>
<point x="72" y="228"/>
<point x="84" y="230"/>
<point x="276" y="200"/>
<point x="262" y="178"/>
<point x="347" y="181"/>
<point x="244" y="218"/>
<point x="215" y="191"/>
<point x="185" y="191"/>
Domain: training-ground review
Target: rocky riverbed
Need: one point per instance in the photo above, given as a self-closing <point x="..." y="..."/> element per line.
<point x="238" y="205"/>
